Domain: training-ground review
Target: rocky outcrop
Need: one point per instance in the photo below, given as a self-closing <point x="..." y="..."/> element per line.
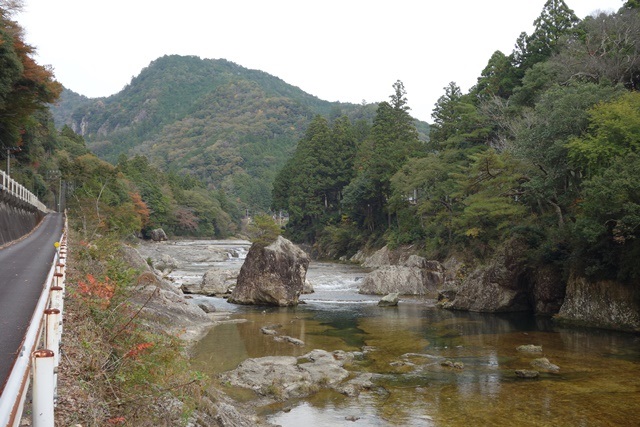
<point x="603" y="304"/>
<point x="403" y="274"/>
<point x="272" y="275"/>
<point x="163" y="307"/>
<point x="402" y="280"/>
<point x="132" y="257"/>
<point x="547" y="290"/>
<point x="166" y="264"/>
<point x="499" y="286"/>
<point x="214" y="282"/>
<point x="378" y="259"/>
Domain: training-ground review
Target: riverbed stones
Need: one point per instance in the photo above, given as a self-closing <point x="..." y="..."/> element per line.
<point x="166" y="263"/>
<point x="162" y="308"/>
<point x="287" y="377"/>
<point x="272" y="275"/>
<point x="308" y="288"/>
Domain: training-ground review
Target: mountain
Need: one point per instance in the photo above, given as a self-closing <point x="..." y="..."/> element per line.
<point x="230" y="126"/>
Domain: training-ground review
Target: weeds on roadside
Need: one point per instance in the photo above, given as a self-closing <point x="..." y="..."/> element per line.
<point x="118" y="371"/>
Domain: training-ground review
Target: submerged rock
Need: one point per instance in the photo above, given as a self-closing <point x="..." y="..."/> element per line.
<point x="544" y="365"/>
<point x="527" y="373"/>
<point x="530" y="348"/>
<point x="272" y="275"/>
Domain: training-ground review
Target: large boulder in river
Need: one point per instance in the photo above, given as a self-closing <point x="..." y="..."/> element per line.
<point x="272" y="275"/>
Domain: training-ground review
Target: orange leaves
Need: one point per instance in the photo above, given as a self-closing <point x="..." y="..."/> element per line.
<point x="102" y="291"/>
<point x="140" y="207"/>
<point x="136" y="350"/>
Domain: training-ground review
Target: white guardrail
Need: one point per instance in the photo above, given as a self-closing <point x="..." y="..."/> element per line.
<point x="11" y="186"/>
<point x="40" y="353"/>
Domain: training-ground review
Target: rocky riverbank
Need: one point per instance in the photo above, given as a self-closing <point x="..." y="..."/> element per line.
<point x="504" y="283"/>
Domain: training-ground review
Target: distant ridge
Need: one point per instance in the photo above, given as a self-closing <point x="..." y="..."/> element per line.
<point x="229" y="125"/>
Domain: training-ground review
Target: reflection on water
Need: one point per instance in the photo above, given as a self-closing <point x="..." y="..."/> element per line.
<point x="598" y="384"/>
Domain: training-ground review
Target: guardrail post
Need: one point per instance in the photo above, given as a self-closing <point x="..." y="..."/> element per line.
<point x="43" y="388"/>
<point x="53" y="325"/>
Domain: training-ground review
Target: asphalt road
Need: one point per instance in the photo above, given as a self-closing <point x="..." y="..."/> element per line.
<point x="24" y="267"/>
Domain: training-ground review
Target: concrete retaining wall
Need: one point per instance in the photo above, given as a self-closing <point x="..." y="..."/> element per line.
<point x="17" y="218"/>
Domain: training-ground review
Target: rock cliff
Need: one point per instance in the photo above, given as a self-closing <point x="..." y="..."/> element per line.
<point x="604" y="304"/>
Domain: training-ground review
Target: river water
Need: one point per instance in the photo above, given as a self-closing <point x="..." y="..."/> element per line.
<point x="598" y="383"/>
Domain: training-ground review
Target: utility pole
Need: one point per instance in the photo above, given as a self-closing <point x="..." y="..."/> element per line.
<point x="10" y="151"/>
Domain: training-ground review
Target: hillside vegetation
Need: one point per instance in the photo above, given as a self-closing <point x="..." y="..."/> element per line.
<point x="226" y="125"/>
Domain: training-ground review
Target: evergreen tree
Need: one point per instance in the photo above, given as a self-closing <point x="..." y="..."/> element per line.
<point x="555" y="21"/>
<point x="393" y="140"/>
<point x="310" y="185"/>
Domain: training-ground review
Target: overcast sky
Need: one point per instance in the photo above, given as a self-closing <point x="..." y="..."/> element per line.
<point x="337" y="50"/>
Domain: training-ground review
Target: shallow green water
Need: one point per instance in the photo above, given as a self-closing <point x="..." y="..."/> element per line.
<point x="598" y="383"/>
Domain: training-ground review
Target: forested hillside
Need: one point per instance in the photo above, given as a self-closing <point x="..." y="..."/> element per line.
<point x="212" y="119"/>
<point x="543" y="150"/>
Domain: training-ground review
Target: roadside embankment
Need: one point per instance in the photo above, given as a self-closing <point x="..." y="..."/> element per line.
<point x="17" y="218"/>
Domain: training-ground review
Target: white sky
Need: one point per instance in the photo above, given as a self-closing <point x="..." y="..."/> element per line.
<point x="337" y="50"/>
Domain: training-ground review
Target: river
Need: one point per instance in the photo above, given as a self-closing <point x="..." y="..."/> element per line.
<point x="598" y="383"/>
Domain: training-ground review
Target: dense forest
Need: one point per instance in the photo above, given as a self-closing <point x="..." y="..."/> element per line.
<point x="543" y="149"/>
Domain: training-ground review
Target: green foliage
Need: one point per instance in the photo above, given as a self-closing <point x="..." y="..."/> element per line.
<point x="115" y="352"/>
<point x="263" y="230"/>
<point x="614" y="132"/>
<point x="499" y="78"/>
<point x="608" y="220"/>
<point x="393" y="140"/>
<point x="552" y="185"/>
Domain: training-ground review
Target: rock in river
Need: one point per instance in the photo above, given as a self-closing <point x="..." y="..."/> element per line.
<point x="214" y="282"/>
<point x="272" y="275"/>
<point x="286" y="377"/>
<point x="390" y="300"/>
